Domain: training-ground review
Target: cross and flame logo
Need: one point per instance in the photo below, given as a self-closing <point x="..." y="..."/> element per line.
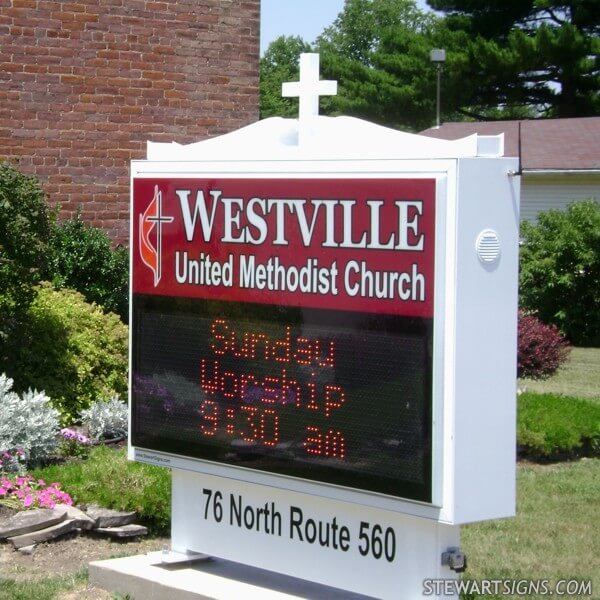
<point x="150" y="230"/>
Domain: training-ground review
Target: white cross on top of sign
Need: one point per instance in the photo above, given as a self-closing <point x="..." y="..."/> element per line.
<point x="309" y="88"/>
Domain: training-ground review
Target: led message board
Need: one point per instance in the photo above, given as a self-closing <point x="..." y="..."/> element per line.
<point x="286" y="326"/>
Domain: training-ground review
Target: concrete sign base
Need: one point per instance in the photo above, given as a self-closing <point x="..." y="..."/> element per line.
<point x="146" y="577"/>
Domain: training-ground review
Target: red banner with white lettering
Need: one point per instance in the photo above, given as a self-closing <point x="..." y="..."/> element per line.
<point x="363" y="245"/>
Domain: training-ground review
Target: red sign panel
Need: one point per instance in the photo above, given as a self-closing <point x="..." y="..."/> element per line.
<point x="364" y="245"/>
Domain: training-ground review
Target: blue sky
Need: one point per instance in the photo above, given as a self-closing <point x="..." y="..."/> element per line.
<point x="306" y="18"/>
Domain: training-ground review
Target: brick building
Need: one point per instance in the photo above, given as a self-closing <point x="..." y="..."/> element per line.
<point x="85" y="83"/>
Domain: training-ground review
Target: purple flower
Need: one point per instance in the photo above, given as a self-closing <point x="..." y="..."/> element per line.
<point x="68" y="434"/>
<point x="28" y="501"/>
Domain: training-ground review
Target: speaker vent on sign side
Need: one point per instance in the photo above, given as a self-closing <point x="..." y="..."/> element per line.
<point x="488" y="246"/>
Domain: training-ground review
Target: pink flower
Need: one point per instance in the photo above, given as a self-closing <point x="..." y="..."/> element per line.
<point x="34" y="492"/>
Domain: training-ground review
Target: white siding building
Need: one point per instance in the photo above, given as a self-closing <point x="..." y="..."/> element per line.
<point x="560" y="158"/>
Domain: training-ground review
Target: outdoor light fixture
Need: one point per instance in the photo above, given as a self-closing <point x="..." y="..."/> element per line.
<point x="438" y="57"/>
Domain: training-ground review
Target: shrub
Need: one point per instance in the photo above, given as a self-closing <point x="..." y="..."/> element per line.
<point x="552" y="425"/>
<point x="541" y="348"/>
<point x="106" y="419"/>
<point x="24" y="231"/>
<point x="81" y="258"/>
<point x="560" y="270"/>
<point x="28" y="424"/>
<point x="72" y="350"/>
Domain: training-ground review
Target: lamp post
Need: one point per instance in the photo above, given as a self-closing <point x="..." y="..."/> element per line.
<point x="438" y="57"/>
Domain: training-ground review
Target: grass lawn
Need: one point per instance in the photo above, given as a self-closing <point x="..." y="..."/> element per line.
<point x="579" y="377"/>
<point x="555" y="535"/>
<point x="46" y="589"/>
<point x="109" y="479"/>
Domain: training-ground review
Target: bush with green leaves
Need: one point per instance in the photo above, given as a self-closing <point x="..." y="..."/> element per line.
<point x="550" y="425"/>
<point x="82" y="258"/>
<point x="72" y="350"/>
<point x="560" y="270"/>
<point x="24" y="231"/>
<point x="106" y="419"/>
<point x="28" y="424"/>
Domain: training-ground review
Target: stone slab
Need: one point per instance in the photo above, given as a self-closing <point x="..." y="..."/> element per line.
<point x="106" y="517"/>
<point x="143" y="577"/>
<point x="42" y="535"/>
<point x="125" y="531"/>
<point x="27" y="521"/>
<point x="82" y="521"/>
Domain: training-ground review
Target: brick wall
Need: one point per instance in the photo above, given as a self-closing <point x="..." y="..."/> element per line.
<point x="85" y="83"/>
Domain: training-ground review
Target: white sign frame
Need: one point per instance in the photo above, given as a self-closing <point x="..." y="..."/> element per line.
<point x="443" y="506"/>
<point x="475" y="312"/>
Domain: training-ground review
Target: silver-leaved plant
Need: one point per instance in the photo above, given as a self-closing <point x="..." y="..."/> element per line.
<point x="106" y="419"/>
<point x="28" y="423"/>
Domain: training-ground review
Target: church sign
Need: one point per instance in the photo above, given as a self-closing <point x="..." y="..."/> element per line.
<point x="323" y="335"/>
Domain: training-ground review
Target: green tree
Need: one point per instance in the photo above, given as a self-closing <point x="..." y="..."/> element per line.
<point x="280" y="64"/>
<point x="560" y="270"/>
<point x="24" y="231"/>
<point x="359" y="28"/>
<point x="504" y="59"/>
<point x="378" y="50"/>
<point x="528" y="54"/>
